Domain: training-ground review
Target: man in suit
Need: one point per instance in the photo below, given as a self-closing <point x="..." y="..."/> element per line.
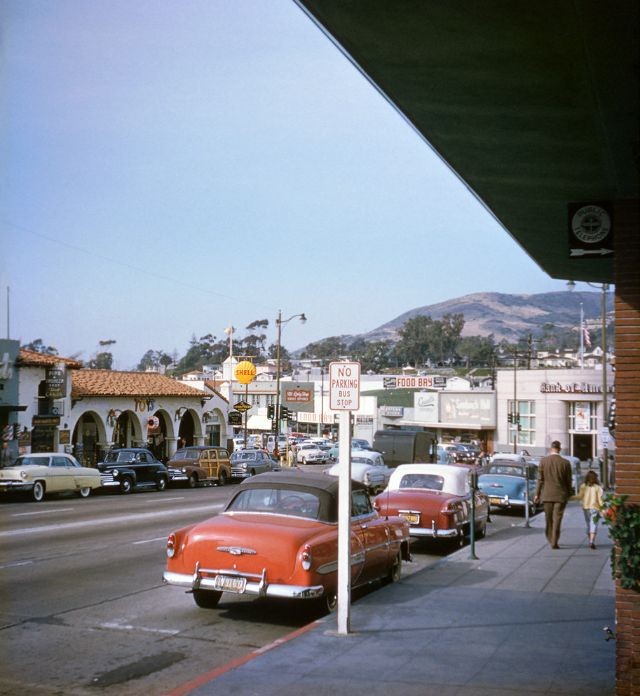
<point x="553" y="489"/>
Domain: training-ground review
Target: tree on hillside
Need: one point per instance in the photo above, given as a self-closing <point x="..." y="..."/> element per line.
<point x="423" y="339"/>
<point x="330" y="348"/>
<point x="374" y="356"/>
<point x="38" y="346"/>
<point x="153" y="359"/>
<point x="103" y="359"/>
<point x="477" y="351"/>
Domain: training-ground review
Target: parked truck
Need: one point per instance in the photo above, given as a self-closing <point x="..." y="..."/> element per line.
<point x="405" y="446"/>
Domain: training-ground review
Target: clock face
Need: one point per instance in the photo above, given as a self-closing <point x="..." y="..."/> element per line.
<point x="591" y="224"/>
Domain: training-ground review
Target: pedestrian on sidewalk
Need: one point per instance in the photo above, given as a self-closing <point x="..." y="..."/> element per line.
<point x="553" y="490"/>
<point x="590" y="493"/>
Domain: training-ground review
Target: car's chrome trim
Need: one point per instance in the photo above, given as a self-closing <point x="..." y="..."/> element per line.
<point x="259" y="586"/>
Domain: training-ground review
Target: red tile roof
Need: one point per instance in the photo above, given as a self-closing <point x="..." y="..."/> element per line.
<point x="31" y="358"/>
<point x="112" y="383"/>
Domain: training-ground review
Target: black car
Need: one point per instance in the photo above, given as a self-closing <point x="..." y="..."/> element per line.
<point x="132" y="468"/>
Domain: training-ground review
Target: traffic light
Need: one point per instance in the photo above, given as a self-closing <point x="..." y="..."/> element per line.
<point x="284" y="413"/>
<point x="270" y="412"/>
<point x="510" y="417"/>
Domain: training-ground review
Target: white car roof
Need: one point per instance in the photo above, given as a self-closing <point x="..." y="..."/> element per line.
<point x="456" y="479"/>
<point x="506" y="456"/>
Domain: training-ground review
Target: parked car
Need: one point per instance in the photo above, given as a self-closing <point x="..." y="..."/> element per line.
<point x="356" y="444"/>
<point x="199" y="465"/>
<point x="249" y="462"/>
<point x="310" y="453"/>
<point x="133" y="468"/>
<point x="48" y="472"/>
<point x="367" y="467"/>
<point x="506" y="482"/>
<point x="436" y="501"/>
<point x="278" y="537"/>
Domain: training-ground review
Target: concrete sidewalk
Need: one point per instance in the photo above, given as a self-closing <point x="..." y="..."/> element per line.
<point x="523" y="619"/>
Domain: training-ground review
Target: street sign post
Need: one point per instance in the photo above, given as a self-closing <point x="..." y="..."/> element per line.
<point x="344" y="396"/>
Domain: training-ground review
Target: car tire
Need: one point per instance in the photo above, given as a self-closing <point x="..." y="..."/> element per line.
<point x="206" y="599"/>
<point x="84" y="492"/>
<point x="161" y="483"/>
<point x="38" y="491"/>
<point x="223" y="479"/>
<point x="395" y="572"/>
<point x="126" y="485"/>
<point x="304" y="461"/>
<point x="481" y="531"/>
<point x="193" y="481"/>
<point x="329" y="602"/>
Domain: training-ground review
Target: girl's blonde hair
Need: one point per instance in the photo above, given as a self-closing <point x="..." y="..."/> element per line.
<point x="591" y="479"/>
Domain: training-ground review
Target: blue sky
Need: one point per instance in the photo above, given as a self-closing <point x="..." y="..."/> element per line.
<point x="171" y="168"/>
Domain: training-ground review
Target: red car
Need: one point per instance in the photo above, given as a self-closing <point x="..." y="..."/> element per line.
<point x="436" y="501"/>
<point x="278" y="537"/>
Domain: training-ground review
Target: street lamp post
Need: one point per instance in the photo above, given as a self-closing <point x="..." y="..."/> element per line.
<point x="279" y="322"/>
<point x="603" y="287"/>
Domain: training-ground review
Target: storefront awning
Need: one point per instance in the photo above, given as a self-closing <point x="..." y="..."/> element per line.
<point x="445" y="426"/>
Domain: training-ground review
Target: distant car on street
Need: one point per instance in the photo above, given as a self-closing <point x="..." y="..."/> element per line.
<point x="249" y="462"/>
<point x="129" y="469"/>
<point x="367" y="467"/>
<point x="48" y="472"/>
<point x="199" y="465"/>
<point x="311" y="453"/>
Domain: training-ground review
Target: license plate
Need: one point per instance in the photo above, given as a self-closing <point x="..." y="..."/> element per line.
<point x="230" y="583"/>
<point x="411" y="517"/>
<point x="497" y="501"/>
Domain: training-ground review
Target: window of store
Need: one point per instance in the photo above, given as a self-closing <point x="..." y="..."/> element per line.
<point x="526" y="427"/>
<point x="583" y="416"/>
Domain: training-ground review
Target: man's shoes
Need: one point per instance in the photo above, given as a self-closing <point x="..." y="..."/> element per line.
<point x="592" y="546"/>
<point x="555" y="546"/>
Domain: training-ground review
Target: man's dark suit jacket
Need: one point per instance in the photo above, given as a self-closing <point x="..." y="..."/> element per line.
<point x="554" y="479"/>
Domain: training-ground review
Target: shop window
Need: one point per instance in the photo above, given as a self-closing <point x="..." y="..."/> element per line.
<point x="524" y="429"/>
<point x="583" y="416"/>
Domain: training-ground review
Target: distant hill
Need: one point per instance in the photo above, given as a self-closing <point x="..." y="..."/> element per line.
<point x="505" y="316"/>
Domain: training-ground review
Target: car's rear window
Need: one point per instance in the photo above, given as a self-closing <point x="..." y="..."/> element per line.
<point x="280" y="501"/>
<point x="120" y="457"/>
<point x="244" y="456"/>
<point x="430" y="481"/>
<point x="508" y="470"/>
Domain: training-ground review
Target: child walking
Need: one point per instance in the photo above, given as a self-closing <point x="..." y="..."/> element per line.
<point x="590" y="493"/>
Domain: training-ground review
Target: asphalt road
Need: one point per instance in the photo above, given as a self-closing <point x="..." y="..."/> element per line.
<point x="83" y="609"/>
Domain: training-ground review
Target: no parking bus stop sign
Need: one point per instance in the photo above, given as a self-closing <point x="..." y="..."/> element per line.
<point x="344" y="386"/>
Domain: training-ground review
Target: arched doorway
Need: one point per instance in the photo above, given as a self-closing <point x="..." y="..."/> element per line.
<point x="186" y="430"/>
<point x="125" y="430"/>
<point x="158" y="429"/>
<point x="86" y="437"/>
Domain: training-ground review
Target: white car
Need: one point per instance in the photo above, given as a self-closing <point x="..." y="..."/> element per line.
<point x="48" y="472"/>
<point x="310" y="453"/>
<point x="368" y="467"/>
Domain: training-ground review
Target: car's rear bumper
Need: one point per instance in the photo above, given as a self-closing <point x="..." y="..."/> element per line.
<point x="506" y="502"/>
<point x="255" y="585"/>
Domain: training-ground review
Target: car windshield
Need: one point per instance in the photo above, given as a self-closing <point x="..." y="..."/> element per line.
<point x="430" y="481"/>
<point x="299" y="503"/>
<point x="120" y="457"/>
<point x="32" y="461"/>
<point x="243" y="456"/>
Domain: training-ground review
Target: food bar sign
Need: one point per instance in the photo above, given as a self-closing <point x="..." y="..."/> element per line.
<point x="344" y="386"/>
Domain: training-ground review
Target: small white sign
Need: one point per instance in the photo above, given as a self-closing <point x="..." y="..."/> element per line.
<point x="604" y="436"/>
<point x="344" y="386"/>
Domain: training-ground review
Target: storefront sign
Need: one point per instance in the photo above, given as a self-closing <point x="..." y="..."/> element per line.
<point x="467" y="409"/>
<point x="391" y="411"/>
<point x="45" y="421"/>
<point x="56" y="381"/>
<point x="297" y="396"/>
<point x="425" y="407"/>
<point x="572" y="388"/>
<point x="415" y="382"/>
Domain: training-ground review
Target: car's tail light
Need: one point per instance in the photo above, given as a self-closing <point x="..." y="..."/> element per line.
<point x="171" y="545"/>
<point x="306" y="558"/>
<point x="450" y="509"/>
